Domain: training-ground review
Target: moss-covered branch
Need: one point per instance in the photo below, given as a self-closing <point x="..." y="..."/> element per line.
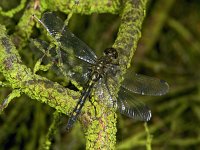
<point x="132" y="17"/>
<point x="36" y="87"/>
<point x="99" y="122"/>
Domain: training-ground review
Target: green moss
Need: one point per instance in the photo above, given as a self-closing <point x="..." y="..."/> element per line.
<point x="100" y="129"/>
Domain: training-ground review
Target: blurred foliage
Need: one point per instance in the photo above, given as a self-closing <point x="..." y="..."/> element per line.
<point x="169" y="49"/>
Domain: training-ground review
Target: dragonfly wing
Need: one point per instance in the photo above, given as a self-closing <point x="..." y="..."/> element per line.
<point x="67" y="40"/>
<point x="131" y="107"/>
<point x="74" y="68"/>
<point x="103" y="93"/>
<point x="145" y="85"/>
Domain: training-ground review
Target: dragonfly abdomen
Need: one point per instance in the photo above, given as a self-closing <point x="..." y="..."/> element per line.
<point x="79" y="105"/>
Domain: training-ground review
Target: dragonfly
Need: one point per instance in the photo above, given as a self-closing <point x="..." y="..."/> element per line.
<point x="75" y="59"/>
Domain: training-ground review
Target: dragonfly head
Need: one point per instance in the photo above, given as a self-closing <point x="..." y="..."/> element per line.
<point x="111" y="52"/>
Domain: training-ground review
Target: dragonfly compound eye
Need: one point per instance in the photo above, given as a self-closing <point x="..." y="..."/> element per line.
<point x="111" y="52"/>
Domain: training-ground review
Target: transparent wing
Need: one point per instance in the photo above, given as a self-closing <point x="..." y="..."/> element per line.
<point x="145" y="85"/>
<point x="103" y="94"/>
<point x="63" y="64"/>
<point x="126" y="102"/>
<point x="131" y="107"/>
<point x="67" y="40"/>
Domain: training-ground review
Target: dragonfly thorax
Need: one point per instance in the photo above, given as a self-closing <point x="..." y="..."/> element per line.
<point x="103" y="65"/>
<point x="99" y="69"/>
